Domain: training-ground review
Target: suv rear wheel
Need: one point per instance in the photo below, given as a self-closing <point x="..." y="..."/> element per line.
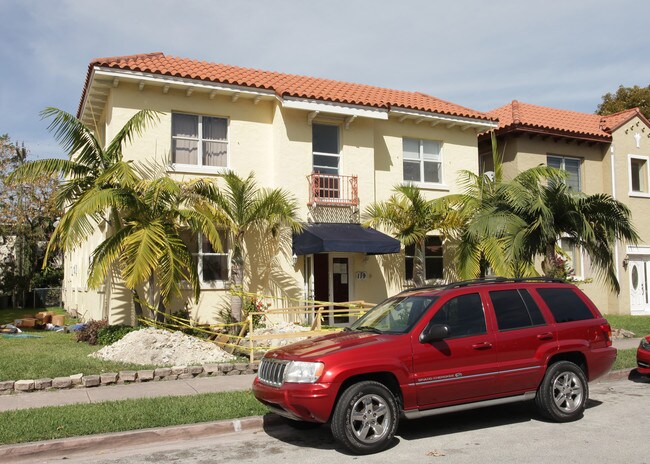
<point x="365" y="417"/>
<point x="563" y="393"/>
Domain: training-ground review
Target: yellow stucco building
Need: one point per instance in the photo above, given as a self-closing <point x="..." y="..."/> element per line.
<point x="335" y="146"/>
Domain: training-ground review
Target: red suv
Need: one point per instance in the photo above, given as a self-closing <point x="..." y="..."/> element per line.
<point x="443" y="349"/>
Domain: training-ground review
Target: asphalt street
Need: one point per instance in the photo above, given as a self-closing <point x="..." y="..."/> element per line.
<point x="613" y="430"/>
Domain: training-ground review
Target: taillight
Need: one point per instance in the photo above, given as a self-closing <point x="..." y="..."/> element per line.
<point x="607" y="331"/>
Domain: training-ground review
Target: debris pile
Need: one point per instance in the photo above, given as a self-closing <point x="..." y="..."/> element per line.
<point x="274" y="328"/>
<point x="162" y="348"/>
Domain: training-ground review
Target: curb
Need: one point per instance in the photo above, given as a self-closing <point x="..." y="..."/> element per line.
<point x="8" y="387"/>
<point x="108" y="441"/>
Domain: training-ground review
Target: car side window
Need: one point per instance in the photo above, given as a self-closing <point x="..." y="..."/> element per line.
<point x="565" y="304"/>
<point x="515" y="309"/>
<point x="463" y="314"/>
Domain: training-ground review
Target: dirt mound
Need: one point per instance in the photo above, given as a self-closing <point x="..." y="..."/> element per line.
<point x="162" y="348"/>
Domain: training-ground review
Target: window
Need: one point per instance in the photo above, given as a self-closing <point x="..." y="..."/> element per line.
<point x="325" y="146"/>
<point x="463" y="314"/>
<point x="638" y="174"/>
<point x="199" y="140"/>
<point x="432" y="258"/>
<point x="571" y="166"/>
<point x="515" y="309"/>
<point x="422" y="161"/>
<point x="565" y="304"/>
<point x="212" y="266"/>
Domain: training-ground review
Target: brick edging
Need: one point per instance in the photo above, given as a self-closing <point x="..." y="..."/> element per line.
<point x="8" y="387"/>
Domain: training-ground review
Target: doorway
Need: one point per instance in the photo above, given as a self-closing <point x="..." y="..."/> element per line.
<point x="639" y="298"/>
<point x="332" y="282"/>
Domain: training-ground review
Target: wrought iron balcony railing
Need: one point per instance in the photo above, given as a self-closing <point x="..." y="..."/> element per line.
<point x="333" y="190"/>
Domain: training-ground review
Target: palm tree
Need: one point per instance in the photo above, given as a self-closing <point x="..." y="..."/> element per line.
<point x="88" y="176"/>
<point x="244" y="207"/>
<point x="409" y="217"/>
<point x="593" y="222"/>
<point x="148" y="246"/>
<point x="489" y="223"/>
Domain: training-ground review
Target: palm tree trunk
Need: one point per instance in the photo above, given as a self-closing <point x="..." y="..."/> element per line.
<point x="137" y="306"/>
<point x="419" y="275"/>
<point x="237" y="269"/>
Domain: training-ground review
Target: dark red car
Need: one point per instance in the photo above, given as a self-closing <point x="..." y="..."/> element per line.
<point x="443" y="349"/>
<point x="643" y="356"/>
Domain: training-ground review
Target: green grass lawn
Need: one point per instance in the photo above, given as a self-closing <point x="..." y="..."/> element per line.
<point x="116" y="416"/>
<point x="56" y="354"/>
<point x="625" y="359"/>
<point x="640" y="325"/>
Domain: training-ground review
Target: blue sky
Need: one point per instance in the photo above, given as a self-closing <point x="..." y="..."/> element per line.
<point x="479" y="54"/>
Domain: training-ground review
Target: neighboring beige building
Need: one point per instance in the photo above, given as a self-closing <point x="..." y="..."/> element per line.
<point x="601" y="154"/>
<point x="336" y="146"/>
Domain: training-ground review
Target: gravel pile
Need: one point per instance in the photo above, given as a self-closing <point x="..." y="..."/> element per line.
<point x="278" y="328"/>
<point x="162" y="348"/>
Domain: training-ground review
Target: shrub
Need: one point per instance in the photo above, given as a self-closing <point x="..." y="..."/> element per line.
<point x="89" y="333"/>
<point x="112" y="333"/>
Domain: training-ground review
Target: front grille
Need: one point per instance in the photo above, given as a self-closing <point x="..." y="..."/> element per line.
<point x="271" y="371"/>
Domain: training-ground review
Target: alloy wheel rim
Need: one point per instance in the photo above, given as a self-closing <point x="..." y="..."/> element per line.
<point x="370" y="418"/>
<point x="568" y="392"/>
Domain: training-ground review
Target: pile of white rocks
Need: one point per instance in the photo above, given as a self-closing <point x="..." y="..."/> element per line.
<point x="162" y="348"/>
<point x="274" y="328"/>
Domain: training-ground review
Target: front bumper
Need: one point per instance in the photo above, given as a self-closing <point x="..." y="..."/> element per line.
<point x="312" y="402"/>
<point x="643" y="361"/>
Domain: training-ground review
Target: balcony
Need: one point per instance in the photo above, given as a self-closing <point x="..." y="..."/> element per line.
<point x="332" y="190"/>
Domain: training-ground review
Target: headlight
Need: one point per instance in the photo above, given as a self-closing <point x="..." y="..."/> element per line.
<point x="303" y="372"/>
<point x="645" y="344"/>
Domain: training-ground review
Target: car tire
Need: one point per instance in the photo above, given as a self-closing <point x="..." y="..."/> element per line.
<point x="563" y="393"/>
<point x="365" y="417"/>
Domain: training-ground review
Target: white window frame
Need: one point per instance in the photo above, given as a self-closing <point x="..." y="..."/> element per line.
<point x="336" y="155"/>
<point x="422" y="184"/>
<point x="646" y="160"/>
<point x="563" y="166"/>
<point x="212" y="284"/>
<point x="199" y="168"/>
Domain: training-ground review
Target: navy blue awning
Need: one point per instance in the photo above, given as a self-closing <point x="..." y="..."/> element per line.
<point x="351" y="238"/>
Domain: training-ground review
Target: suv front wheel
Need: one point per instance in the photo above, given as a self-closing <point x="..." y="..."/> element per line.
<point x="563" y="393"/>
<point x="365" y="417"/>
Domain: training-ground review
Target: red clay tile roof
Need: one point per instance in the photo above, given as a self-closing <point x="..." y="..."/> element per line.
<point x="611" y="122"/>
<point x="283" y="84"/>
<point x="518" y="115"/>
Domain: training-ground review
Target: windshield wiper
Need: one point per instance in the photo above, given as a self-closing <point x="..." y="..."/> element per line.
<point x="367" y="328"/>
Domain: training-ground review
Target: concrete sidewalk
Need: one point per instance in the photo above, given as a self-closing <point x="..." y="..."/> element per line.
<point x="122" y="392"/>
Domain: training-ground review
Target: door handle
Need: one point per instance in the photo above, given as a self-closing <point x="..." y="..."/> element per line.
<point x="545" y="336"/>
<point x="482" y="346"/>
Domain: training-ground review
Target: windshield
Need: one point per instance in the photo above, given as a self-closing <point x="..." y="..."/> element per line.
<point x="395" y="315"/>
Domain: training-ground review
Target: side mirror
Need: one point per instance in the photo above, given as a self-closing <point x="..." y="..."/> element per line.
<point x="434" y="333"/>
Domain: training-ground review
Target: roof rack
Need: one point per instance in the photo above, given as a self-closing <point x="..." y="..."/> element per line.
<point x="488" y="280"/>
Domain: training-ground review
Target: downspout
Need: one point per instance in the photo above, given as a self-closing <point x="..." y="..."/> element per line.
<point x="613" y="173"/>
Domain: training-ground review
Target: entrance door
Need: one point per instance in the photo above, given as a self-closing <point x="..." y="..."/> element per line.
<point x="639" y="301"/>
<point x="332" y="282"/>
<point x="340" y="289"/>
